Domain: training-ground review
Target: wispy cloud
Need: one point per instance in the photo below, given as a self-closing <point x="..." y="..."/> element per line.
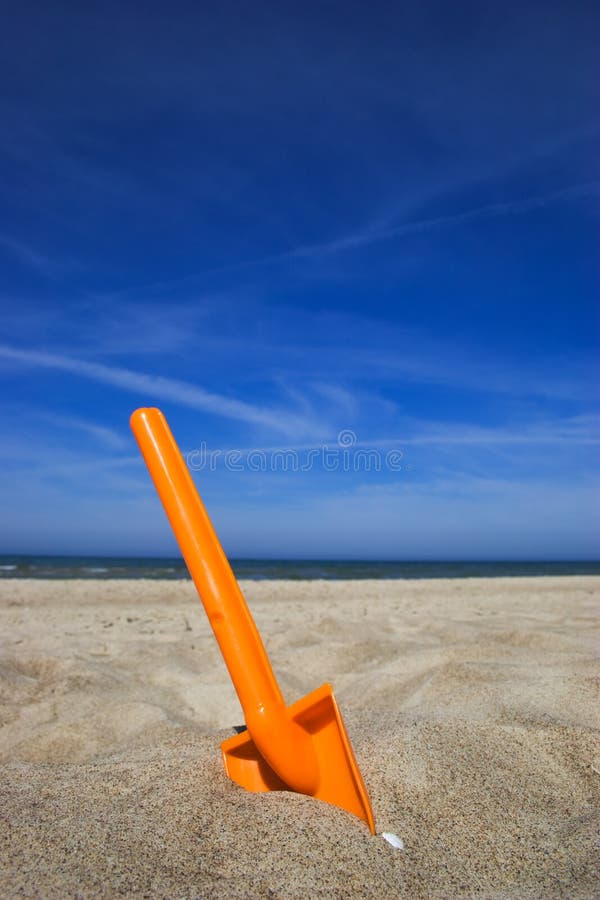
<point x="376" y="233"/>
<point x="32" y="258"/>
<point x="567" y="431"/>
<point x="161" y="388"/>
<point x="29" y="256"/>
<point x="489" y="211"/>
<point x="109" y="437"/>
<point x="575" y="430"/>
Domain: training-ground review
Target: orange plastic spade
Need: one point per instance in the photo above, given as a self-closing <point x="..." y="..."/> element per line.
<point x="303" y="747"/>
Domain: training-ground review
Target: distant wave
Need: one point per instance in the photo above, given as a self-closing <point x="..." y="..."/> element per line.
<point x="271" y="569"/>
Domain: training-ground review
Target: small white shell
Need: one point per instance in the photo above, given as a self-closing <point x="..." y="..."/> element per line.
<point x="393" y="839"/>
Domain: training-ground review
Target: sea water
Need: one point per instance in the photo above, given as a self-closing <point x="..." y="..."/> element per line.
<point x="105" y="567"/>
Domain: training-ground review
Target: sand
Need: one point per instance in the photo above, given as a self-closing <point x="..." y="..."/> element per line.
<point x="472" y="706"/>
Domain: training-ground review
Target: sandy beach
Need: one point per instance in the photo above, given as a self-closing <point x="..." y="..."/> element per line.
<point x="472" y="706"/>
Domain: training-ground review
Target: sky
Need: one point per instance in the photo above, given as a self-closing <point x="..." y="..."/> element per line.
<point x="350" y="250"/>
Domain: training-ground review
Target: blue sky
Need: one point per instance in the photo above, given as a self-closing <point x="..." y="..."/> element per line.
<point x="360" y="227"/>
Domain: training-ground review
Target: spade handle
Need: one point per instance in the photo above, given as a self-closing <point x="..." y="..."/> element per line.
<point x="225" y="606"/>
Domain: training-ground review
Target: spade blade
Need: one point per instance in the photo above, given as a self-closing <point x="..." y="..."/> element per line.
<point x="340" y="781"/>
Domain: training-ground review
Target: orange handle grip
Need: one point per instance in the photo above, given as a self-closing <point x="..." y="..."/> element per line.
<point x="225" y="606"/>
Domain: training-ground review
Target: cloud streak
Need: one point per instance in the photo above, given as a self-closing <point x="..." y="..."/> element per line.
<point x="370" y="236"/>
<point x="569" y="430"/>
<point x="32" y="258"/>
<point x="489" y="211"/>
<point x="27" y="255"/>
<point x="109" y="437"/>
<point x="161" y="388"/>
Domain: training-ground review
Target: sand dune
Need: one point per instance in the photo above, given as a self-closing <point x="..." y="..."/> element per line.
<point x="472" y="706"/>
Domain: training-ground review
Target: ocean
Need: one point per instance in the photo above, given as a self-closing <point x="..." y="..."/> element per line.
<point x="258" y="569"/>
